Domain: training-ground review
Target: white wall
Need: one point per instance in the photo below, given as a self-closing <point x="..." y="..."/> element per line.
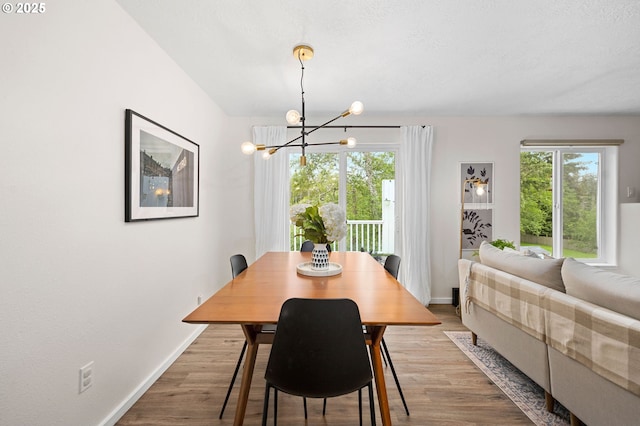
<point x="630" y="221"/>
<point x="77" y="283"/>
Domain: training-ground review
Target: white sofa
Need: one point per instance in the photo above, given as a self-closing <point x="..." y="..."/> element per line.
<point x="572" y="328"/>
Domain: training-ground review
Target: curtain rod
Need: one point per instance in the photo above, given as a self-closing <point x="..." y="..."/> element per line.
<point x="347" y="127"/>
<point x="350" y="127"/>
<point x="571" y="142"/>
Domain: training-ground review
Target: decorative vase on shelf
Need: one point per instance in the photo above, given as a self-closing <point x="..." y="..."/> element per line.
<point x="320" y="257"/>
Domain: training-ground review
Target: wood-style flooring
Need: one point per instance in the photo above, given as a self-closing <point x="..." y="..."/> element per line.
<point x="441" y="385"/>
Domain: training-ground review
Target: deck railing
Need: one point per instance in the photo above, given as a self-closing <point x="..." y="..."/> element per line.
<point x="362" y="235"/>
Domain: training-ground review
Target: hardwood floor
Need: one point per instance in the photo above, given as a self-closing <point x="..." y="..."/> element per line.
<point x="441" y="385"/>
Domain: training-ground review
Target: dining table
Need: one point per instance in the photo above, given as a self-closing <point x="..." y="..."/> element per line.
<point x="254" y="299"/>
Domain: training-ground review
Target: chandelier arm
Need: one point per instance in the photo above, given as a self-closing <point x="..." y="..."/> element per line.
<point x="323" y="125"/>
<point x="291" y="141"/>
<point x="285" y="146"/>
<point x="323" y="143"/>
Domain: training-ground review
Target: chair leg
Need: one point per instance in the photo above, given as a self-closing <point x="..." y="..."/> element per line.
<point x="395" y="376"/>
<point x="304" y="402"/>
<point x="233" y="378"/>
<point x="371" y="408"/>
<point x="265" y="407"/>
<point x="324" y="406"/>
<point x="275" y="407"/>
<point x="360" y="405"/>
<point x="384" y="358"/>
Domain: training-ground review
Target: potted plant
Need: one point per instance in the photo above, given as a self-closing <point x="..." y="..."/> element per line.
<point x="499" y="243"/>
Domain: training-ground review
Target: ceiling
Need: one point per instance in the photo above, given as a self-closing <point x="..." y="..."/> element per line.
<point x="405" y="57"/>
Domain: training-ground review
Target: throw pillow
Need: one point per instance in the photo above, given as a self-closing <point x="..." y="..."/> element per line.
<point x="616" y="292"/>
<point x="546" y="272"/>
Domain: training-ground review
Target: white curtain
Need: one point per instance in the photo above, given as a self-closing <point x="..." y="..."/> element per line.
<point x="415" y="177"/>
<point x="271" y="192"/>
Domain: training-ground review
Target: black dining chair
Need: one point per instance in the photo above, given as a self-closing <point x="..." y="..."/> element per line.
<point x="238" y="265"/>
<point x="318" y="351"/>
<point x="307" y="245"/>
<point x="392" y="266"/>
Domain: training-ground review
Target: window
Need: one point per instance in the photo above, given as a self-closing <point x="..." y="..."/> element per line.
<point x="567" y="201"/>
<point x="363" y="182"/>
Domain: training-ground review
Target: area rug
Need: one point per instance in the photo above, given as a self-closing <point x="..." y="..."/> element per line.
<point x="525" y="393"/>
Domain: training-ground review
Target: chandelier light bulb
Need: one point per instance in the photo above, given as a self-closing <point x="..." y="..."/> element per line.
<point x="248" y="148"/>
<point x="266" y="155"/>
<point x="356" y="108"/>
<point x="480" y="190"/>
<point x="293" y="117"/>
<point x="351" y="142"/>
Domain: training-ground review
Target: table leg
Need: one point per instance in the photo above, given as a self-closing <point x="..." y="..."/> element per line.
<point x="378" y="373"/>
<point x="247" y="373"/>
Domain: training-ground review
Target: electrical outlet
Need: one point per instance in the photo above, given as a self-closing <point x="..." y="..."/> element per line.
<point x="86" y="377"/>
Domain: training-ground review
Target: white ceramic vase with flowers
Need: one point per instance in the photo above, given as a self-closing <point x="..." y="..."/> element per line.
<point x="322" y="225"/>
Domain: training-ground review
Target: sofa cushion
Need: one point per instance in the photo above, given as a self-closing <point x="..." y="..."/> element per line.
<point x="524" y="252"/>
<point x="616" y="292"/>
<point x="546" y="272"/>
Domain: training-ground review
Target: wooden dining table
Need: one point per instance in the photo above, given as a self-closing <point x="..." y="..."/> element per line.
<point x="254" y="298"/>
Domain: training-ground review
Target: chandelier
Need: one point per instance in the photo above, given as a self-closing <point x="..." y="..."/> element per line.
<point x="304" y="53"/>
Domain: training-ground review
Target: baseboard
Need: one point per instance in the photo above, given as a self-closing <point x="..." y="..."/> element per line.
<point x="440" y="301"/>
<point x="128" y="402"/>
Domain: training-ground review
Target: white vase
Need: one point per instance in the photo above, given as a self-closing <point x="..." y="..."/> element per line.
<point x="320" y="257"/>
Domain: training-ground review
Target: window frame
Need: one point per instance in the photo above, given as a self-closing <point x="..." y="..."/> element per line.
<point x="342" y="173"/>
<point x="607" y="198"/>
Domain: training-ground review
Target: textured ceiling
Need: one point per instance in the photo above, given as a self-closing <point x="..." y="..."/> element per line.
<point x="406" y="57"/>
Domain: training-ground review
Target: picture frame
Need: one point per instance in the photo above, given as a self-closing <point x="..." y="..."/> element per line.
<point x="477" y="170"/>
<point x="477" y="226"/>
<point x="162" y="171"/>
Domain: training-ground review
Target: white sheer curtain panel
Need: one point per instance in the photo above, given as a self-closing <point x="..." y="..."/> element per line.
<point x="271" y="192"/>
<point x="415" y="177"/>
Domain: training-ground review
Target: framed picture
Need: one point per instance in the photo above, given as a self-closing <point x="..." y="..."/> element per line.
<point x="471" y="171"/>
<point x="476" y="227"/>
<point x="162" y="170"/>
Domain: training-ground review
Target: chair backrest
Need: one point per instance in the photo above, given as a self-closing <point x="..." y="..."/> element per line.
<point x="307" y="245"/>
<point x="319" y="349"/>
<point x="392" y="265"/>
<point x="238" y="264"/>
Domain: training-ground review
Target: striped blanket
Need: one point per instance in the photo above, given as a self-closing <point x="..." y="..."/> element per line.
<point x="512" y="299"/>
<point x="604" y="341"/>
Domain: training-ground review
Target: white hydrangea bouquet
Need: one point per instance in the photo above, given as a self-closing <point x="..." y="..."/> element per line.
<point x="324" y="224"/>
